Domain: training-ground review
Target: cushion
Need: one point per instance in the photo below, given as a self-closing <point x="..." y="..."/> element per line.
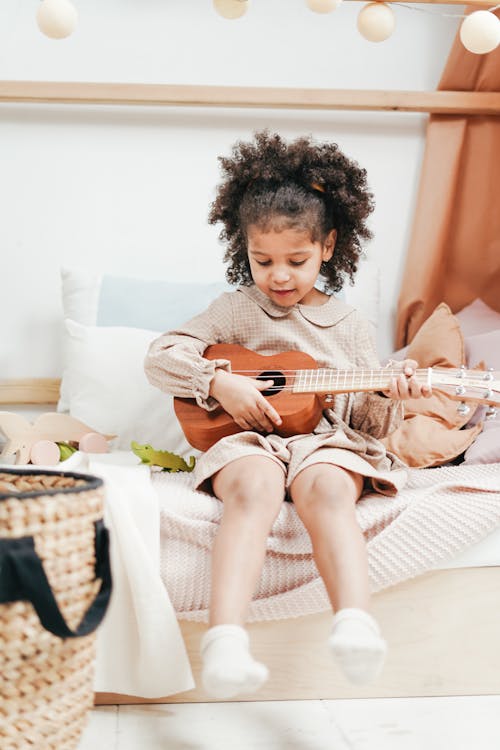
<point x="478" y="317"/>
<point x="486" y="448"/>
<point x="105" y="300"/>
<point x="435" y="437"/>
<point x="423" y="442"/>
<point x="108" y="390"/>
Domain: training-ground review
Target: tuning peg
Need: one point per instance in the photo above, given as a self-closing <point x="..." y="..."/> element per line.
<point x="488" y="375"/>
<point x="463" y="408"/>
<point x="491" y="412"/>
<point x="461" y="372"/>
<point x="329" y="399"/>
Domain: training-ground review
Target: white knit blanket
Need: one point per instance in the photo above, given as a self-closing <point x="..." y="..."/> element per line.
<point x="440" y="513"/>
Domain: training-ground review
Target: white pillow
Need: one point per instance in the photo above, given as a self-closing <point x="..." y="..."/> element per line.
<point x="108" y="390"/>
<point x="105" y="300"/>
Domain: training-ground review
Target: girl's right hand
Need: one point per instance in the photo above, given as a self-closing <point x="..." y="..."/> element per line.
<point x="241" y="398"/>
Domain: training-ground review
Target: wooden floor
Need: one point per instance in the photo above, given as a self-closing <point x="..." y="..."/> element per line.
<point x="467" y="723"/>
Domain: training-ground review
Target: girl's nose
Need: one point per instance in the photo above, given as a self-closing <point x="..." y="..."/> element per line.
<point x="281" y="275"/>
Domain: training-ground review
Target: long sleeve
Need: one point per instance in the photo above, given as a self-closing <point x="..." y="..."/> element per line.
<point x="175" y="363"/>
<point x="370" y="413"/>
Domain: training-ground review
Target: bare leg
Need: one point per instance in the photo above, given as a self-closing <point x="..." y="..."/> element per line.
<point x="252" y="489"/>
<point x="325" y="497"/>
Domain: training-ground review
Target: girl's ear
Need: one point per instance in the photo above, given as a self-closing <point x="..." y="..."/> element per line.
<point x="329" y="244"/>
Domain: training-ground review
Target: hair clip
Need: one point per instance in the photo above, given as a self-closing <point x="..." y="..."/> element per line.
<point x="317" y="186"/>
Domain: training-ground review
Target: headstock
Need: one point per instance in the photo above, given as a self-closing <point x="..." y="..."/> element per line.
<point x="460" y="384"/>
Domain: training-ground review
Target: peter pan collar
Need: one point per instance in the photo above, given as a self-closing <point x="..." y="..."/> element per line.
<point x="321" y="315"/>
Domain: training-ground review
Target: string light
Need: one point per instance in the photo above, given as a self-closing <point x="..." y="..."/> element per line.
<point x="56" y="19"/>
<point x="376" y="22"/>
<point x="480" y="32"/>
<point x="323" y="6"/>
<point x="477" y="35"/>
<point x="231" y="9"/>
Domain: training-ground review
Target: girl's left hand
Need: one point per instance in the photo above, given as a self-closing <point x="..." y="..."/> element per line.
<point x="407" y="384"/>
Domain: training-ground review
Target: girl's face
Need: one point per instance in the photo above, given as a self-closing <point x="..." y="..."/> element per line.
<point x="285" y="265"/>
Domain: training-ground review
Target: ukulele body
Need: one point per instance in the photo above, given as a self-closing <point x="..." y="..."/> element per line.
<point x="300" y="412"/>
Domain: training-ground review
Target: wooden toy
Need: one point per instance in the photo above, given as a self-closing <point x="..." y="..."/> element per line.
<point x="36" y="441"/>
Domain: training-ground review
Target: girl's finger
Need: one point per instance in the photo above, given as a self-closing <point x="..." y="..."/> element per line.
<point x="262" y="385"/>
<point x="402" y="387"/>
<point x="414" y="387"/>
<point x="409" y="366"/>
<point x="269" y="411"/>
<point x="243" y="423"/>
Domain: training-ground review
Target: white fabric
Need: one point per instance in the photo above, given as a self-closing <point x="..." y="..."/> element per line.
<point x="438" y="515"/>
<point x="140" y="649"/>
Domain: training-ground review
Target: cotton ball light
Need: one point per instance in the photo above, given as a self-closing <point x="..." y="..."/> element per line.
<point x="231" y="8"/>
<point x="56" y="18"/>
<point x="376" y="22"/>
<point x="323" y="6"/>
<point x="480" y="32"/>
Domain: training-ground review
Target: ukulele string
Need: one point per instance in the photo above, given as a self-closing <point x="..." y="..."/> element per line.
<point x="296" y="373"/>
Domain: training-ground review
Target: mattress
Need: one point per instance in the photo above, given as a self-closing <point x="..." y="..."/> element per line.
<point x="447" y="517"/>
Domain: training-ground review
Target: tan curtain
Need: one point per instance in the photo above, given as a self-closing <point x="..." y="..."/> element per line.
<point x="454" y="252"/>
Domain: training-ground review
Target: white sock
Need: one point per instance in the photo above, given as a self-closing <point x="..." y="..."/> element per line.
<point x="228" y="667"/>
<point x="357" y="645"/>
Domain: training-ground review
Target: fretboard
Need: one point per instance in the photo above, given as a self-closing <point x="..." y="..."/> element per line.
<point x="327" y="380"/>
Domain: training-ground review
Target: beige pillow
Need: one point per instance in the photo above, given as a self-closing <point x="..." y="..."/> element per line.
<point x="430" y="434"/>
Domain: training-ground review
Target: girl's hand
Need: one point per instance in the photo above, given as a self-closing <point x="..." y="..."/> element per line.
<point x="242" y="399"/>
<point x="407" y="385"/>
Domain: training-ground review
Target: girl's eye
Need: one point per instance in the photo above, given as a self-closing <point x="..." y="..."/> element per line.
<point x="297" y="262"/>
<point x="263" y="262"/>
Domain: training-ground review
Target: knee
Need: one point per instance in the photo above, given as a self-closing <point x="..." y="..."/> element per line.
<point x="324" y="496"/>
<point x="253" y="496"/>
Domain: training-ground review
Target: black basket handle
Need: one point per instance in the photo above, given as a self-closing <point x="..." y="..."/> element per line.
<point x="22" y="578"/>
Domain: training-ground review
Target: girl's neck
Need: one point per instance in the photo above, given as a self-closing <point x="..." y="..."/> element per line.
<point x="317" y="298"/>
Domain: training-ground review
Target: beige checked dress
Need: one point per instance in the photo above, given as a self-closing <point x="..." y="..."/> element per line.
<point x="335" y="334"/>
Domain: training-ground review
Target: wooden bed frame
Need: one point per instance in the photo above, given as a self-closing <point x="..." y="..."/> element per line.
<point x="442" y="629"/>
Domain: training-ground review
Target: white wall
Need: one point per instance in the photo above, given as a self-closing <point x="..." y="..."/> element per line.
<point x="126" y="190"/>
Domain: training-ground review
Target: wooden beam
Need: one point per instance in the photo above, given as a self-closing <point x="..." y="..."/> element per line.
<point x="30" y="391"/>
<point x="149" y="94"/>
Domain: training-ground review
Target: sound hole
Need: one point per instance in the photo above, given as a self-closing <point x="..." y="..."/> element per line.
<point x="279" y="381"/>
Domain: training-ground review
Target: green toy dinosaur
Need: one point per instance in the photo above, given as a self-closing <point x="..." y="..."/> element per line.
<point x="167" y="461"/>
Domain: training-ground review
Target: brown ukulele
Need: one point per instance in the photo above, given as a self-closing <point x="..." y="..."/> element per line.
<point x="301" y="390"/>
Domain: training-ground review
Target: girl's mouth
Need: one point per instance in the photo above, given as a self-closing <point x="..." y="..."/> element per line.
<point x="282" y="292"/>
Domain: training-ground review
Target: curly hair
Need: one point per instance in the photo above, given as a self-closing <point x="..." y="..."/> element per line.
<point x="302" y="185"/>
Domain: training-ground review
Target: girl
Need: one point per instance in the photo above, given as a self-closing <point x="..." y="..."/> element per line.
<point x="293" y="216"/>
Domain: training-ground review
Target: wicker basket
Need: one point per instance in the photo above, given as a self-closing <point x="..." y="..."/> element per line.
<point x="55" y="585"/>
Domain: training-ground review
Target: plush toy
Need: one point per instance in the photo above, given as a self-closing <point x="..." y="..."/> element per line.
<point x="167" y="461"/>
<point x="52" y="437"/>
